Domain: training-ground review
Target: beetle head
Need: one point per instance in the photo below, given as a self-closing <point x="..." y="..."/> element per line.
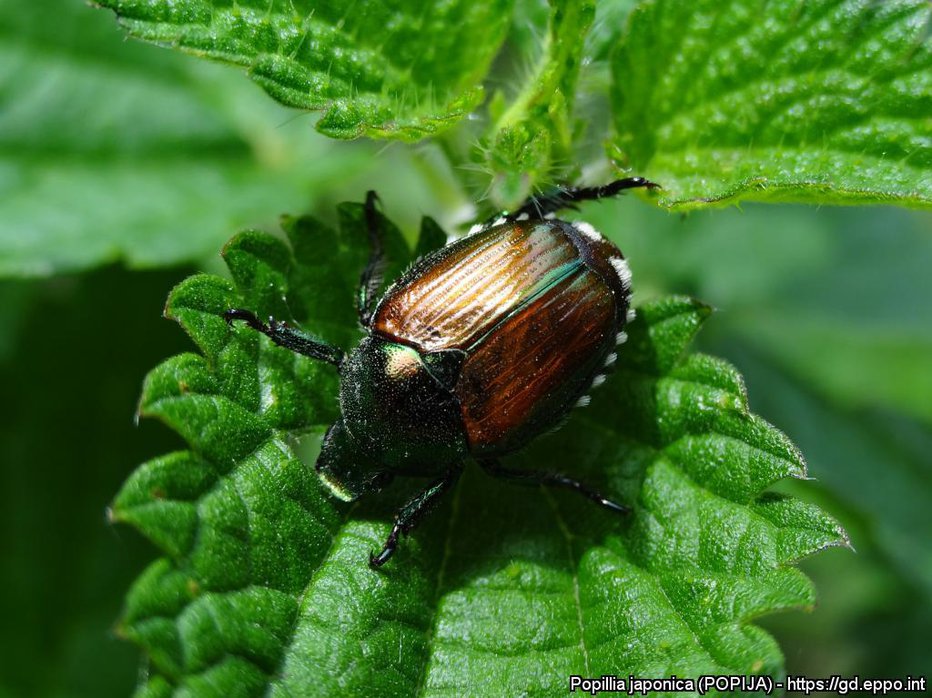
<point x="347" y="471"/>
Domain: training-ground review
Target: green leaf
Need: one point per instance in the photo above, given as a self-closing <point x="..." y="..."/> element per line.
<point x="825" y="312"/>
<point x="112" y="150"/>
<point x="874" y="460"/>
<point x="610" y="19"/>
<point x="264" y="587"/>
<point x="825" y="101"/>
<point x="380" y="69"/>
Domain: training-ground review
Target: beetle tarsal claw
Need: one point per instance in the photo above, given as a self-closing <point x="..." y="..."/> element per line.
<point x="246" y="316"/>
<point x="614" y="506"/>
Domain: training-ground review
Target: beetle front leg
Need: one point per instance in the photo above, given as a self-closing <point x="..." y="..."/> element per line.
<point x="541" y="206"/>
<point x="539" y="477"/>
<point x="288" y="337"/>
<point x="411" y="514"/>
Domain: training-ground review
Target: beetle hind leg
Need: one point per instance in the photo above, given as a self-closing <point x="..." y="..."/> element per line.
<point x="538" y="207"/>
<point x="540" y="477"/>
<point x="412" y="512"/>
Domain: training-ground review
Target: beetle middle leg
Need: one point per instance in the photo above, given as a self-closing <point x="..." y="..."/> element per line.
<point x="288" y="337"/>
<point x="541" y="477"/>
<point x="541" y="206"/>
<point x="411" y="513"/>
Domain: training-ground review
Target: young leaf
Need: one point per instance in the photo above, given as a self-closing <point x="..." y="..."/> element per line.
<point x="264" y="587"/>
<point x="825" y="101"/>
<point x="534" y="135"/>
<point x="381" y="69"/>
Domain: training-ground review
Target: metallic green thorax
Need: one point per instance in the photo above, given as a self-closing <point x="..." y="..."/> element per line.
<point x="399" y="416"/>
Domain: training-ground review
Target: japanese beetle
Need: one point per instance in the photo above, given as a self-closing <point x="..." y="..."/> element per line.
<point x="478" y="348"/>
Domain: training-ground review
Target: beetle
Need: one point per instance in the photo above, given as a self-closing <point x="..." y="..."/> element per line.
<point x="479" y="347"/>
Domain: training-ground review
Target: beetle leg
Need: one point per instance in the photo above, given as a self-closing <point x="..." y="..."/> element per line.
<point x="538" y="207"/>
<point x="371" y="278"/>
<point x="288" y="337"/>
<point x="539" y="477"/>
<point x="411" y="513"/>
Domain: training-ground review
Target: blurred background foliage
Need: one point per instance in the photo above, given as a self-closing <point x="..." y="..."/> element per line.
<point x="124" y="167"/>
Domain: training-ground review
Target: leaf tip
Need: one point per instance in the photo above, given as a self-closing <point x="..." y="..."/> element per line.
<point x="843" y="540"/>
